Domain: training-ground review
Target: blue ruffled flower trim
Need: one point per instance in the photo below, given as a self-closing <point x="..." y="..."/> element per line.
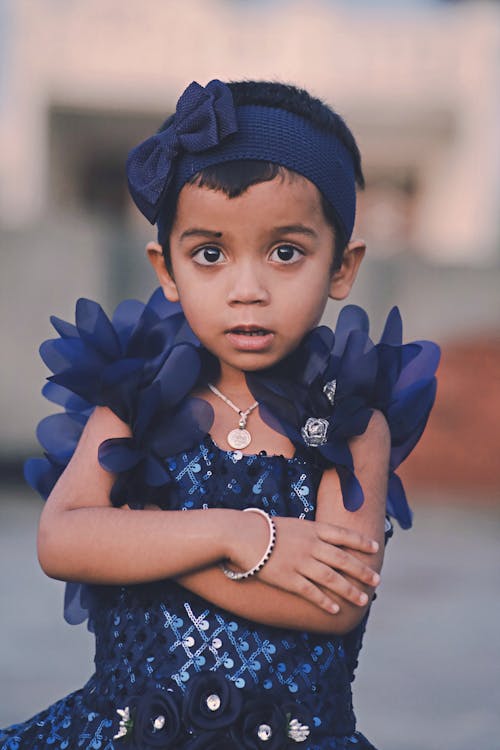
<point x="144" y="362"/>
<point x="326" y="391"/>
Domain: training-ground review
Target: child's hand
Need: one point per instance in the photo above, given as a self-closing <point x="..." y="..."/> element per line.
<point x="310" y="559"/>
<point x="318" y="571"/>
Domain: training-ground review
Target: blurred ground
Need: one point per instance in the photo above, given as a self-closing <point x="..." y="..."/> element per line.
<point x="429" y="672"/>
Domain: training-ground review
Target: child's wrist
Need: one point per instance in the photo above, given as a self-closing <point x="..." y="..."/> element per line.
<point x="227" y="530"/>
<point x="242" y="575"/>
<point x="246" y="540"/>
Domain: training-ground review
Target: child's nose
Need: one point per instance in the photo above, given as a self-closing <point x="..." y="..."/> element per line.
<point x="248" y="285"/>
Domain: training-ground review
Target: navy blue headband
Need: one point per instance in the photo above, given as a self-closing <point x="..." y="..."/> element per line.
<point x="207" y="129"/>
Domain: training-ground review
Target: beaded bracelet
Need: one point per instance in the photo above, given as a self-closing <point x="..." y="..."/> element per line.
<point x="265" y="557"/>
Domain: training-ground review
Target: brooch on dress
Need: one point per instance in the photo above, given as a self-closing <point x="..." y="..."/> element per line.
<point x="315" y="430"/>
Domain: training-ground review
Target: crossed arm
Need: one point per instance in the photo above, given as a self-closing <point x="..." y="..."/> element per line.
<point x="314" y="579"/>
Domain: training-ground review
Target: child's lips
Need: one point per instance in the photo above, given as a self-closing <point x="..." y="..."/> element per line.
<point x="250" y="338"/>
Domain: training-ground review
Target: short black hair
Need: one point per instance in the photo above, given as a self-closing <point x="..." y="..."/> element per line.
<point x="234" y="177"/>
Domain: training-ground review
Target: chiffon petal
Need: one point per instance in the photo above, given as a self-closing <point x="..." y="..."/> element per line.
<point x="77" y="602"/>
<point x="420" y="366"/>
<point x="351" y="318"/>
<point x="57" y="394"/>
<point x="122" y="363"/>
<point x="190" y="422"/>
<point x="392" y="335"/>
<point x="155" y="473"/>
<point x="124" y="319"/>
<point x="96" y="329"/>
<point x="59" y="434"/>
<point x="397" y="504"/>
<point x="278" y="423"/>
<point x="397" y="379"/>
<point x="352" y="492"/>
<point x="60" y="354"/>
<point x="64" y="329"/>
<point x="118" y="454"/>
<point x="42" y="474"/>
<point x="179" y="373"/>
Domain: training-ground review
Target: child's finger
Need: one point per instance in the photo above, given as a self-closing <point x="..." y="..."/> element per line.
<point x="342" y="537"/>
<point x="308" y="591"/>
<point x="327" y="577"/>
<point x="339" y="559"/>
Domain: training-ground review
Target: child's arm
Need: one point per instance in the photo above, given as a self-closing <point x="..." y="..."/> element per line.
<point x="257" y="600"/>
<point x="81" y="537"/>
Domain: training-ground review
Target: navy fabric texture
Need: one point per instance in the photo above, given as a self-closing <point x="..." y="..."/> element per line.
<point x="163" y="655"/>
<point x="207" y="129"/>
<point x="203" y="118"/>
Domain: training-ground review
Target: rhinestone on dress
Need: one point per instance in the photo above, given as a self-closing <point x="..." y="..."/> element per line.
<point x="159" y="722"/>
<point x="329" y="390"/>
<point x="298" y="732"/>
<point x="213" y="702"/>
<point x="314" y="431"/>
<point x="264" y="732"/>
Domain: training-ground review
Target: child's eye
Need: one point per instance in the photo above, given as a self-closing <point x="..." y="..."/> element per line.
<point x="286" y="254"/>
<point x="208" y="256"/>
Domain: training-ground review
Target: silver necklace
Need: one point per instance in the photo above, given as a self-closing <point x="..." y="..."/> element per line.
<point x="240" y="437"/>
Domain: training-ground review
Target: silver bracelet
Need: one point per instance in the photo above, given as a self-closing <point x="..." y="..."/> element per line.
<point x="265" y="557"/>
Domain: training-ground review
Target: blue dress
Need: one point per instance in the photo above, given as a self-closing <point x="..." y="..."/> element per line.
<point x="171" y="669"/>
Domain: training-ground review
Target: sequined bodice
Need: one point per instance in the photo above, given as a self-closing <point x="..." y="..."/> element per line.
<point x="159" y="634"/>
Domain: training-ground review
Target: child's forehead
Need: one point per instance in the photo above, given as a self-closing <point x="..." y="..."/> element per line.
<point x="288" y="198"/>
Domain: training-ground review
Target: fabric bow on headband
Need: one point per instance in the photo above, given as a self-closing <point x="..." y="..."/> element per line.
<point x="203" y="118"/>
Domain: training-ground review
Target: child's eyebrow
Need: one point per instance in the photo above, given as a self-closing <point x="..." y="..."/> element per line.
<point x="286" y="229"/>
<point x="198" y="232"/>
<point x="296" y="229"/>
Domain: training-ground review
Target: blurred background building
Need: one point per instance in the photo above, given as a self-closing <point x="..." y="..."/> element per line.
<point x="81" y="82"/>
<point x="418" y="81"/>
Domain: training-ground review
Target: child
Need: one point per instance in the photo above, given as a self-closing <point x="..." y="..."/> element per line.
<point x="216" y="629"/>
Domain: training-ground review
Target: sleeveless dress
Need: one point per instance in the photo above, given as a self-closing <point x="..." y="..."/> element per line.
<point x="171" y="669"/>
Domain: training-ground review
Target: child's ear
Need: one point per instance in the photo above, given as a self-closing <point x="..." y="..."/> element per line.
<point x="343" y="279"/>
<point x="167" y="283"/>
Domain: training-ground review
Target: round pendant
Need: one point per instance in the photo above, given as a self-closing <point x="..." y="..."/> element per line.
<point x="239" y="438"/>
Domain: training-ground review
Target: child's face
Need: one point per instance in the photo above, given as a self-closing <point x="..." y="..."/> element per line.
<point x="253" y="273"/>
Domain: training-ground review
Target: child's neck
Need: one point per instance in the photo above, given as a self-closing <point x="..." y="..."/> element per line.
<point x="232" y="383"/>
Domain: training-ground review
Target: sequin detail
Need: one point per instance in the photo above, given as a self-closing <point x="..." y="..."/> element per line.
<point x="158" y="636"/>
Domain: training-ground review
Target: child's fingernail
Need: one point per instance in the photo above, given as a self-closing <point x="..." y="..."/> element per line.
<point x="334" y="608"/>
<point x="374" y="546"/>
<point x="375" y="579"/>
<point x="363" y="599"/>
